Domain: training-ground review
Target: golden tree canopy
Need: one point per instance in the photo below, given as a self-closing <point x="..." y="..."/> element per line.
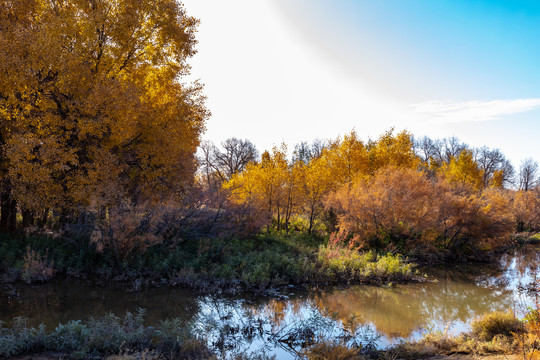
<point x="91" y="103"/>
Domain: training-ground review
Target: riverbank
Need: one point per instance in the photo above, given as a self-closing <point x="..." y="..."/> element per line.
<point x="230" y="266"/>
<point x="494" y="336"/>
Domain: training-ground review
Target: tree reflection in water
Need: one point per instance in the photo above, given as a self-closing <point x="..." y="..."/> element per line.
<point x="283" y="325"/>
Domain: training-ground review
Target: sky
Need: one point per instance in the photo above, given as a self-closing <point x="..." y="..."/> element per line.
<point x="297" y="70"/>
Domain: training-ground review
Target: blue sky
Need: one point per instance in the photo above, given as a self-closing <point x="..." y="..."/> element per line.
<point x="452" y="49"/>
<point x="292" y="70"/>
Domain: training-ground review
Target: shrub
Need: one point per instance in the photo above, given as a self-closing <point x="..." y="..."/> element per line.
<point x="349" y="264"/>
<point x="402" y="209"/>
<point x="36" y="267"/>
<point x="496" y="323"/>
<point x="327" y="350"/>
<point x="526" y="210"/>
<point x="128" y="231"/>
<point x="108" y="335"/>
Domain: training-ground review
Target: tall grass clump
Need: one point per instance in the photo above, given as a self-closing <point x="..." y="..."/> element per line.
<point x="36" y="267"/>
<point x="329" y="350"/>
<point x="496" y="323"/>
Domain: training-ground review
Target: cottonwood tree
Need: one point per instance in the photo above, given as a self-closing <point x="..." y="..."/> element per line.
<point x="528" y="174"/>
<point x="496" y="169"/>
<point x="92" y="107"/>
<point x="234" y="157"/>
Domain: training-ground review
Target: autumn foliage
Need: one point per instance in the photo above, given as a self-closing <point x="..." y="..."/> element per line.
<point x="94" y="115"/>
<point x="402" y="208"/>
<point x="383" y="194"/>
<point x="92" y="110"/>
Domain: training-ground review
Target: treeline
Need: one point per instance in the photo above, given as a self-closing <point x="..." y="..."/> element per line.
<point x="396" y="193"/>
<point x="98" y="136"/>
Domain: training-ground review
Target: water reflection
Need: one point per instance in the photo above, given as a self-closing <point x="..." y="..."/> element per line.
<point x="362" y="314"/>
<point x="57" y="302"/>
<point x="399" y="311"/>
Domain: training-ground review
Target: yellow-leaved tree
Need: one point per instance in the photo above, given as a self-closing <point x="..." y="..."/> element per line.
<point x="92" y="107"/>
<point x="393" y="150"/>
<point x="463" y="169"/>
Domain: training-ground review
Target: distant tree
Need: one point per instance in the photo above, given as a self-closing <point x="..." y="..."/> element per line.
<point x="463" y="169"/>
<point x="306" y="152"/>
<point x="392" y="150"/>
<point x="496" y="169"/>
<point x="451" y="148"/>
<point x="233" y="158"/>
<point x="528" y="174"/>
<point x="437" y="152"/>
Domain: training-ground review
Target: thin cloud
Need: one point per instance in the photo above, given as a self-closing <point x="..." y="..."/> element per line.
<point x="450" y="111"/>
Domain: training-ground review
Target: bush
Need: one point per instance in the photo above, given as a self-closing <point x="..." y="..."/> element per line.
<point x="36" y="267"/>
<point x="404" y="210"/>
<point x="349" y="264"/>
<point x="495" y="323"/>
<point x="108" y="335"/>
<point x="327" y="350"/>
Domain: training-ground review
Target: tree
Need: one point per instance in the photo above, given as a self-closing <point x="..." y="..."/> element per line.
<point x="438" y="152"/>
<point x="464" y="170"/>
<point x="496" y="169"/>
<point x="528" y="174"/>
<point x="306" y="152"/>
<point x="233" y="159"/>
<point x="393" y="150"/>
<point x="92" y="109"/>
<point x="317" y="181"/>
<point x="347" y="157"/>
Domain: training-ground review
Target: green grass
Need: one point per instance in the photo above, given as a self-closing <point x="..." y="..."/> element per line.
<point x="348" y="264"/>
<point x="258" y="263"/>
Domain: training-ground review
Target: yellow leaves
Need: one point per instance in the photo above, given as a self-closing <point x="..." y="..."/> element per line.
<point x="85" y="107"/>
<point x="497" y="180"/>
<point x="299" y="188"/>
<point x="393" y="150"/>
<point x="348" y="157"/>
<point x="463" y="170"/>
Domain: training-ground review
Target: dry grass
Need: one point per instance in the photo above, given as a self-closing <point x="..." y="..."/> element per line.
<point x="329" y="350"/>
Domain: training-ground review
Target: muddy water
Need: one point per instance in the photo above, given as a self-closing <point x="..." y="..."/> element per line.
<point x="372" y="316"/>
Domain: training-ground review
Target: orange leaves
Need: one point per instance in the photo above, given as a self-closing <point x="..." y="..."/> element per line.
<point x="290" y="189"/>
<point x="86" y="111"/>
<point x="402" y="207"/>
<point x="526" y="210"/>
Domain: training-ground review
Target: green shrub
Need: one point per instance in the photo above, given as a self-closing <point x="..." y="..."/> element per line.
<point x="96" y="338"/>
<point x="343" y="263"/>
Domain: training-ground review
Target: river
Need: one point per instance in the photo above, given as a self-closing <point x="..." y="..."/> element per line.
<point x="281" y="324"/>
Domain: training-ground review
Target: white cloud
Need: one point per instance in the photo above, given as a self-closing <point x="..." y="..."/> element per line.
<point x="452" y="112"/>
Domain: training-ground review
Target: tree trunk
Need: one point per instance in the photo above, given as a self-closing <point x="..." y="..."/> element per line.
<point x="27" y="218"/>
<point x="8" y="213"/>
<point x="4" y="213"/>
<point x="45" y="218"/>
